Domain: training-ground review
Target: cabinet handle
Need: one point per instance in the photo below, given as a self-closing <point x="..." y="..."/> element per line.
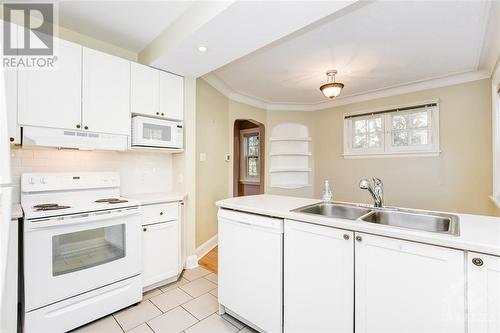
<point x="359" y="238"/>
<point x="157" y="113"/>
<point x="11" y="139"/>
<point x="477" y="261"/>
<point x="86" y="127"/>
<point x="78" y="126"/>
<point x="162" y="114"/>
<point x="145" y="229"/>
<point x="346" y="237"/>
<point x="161" y="213"/>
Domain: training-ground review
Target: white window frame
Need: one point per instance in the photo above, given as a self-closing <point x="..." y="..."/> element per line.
<point x="244" y="154"/>
<point x="387" y="150"/>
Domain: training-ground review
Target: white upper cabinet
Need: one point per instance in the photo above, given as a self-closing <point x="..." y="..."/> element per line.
<point x="171" y="96"/>
<point x="52" y="97"/>
<point x="403" y="286"/>
<point x="318" y="279"/>
<point x="11" y="104"/>
<point x="145" y="91"/>
<point x="106" y="93"/>
<point x="483" y="293"/>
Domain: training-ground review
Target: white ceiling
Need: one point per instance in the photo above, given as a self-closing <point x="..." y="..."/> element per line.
<point x="374" y="46"/>
<point x="130" y="25"/>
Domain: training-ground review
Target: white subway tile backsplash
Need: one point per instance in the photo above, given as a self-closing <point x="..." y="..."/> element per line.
<point x="141" y="172"/>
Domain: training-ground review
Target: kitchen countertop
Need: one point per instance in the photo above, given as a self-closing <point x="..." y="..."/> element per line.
<point x="17" y="211"/>
<point x="477" y="233"/>
<point x="154" y="198"/>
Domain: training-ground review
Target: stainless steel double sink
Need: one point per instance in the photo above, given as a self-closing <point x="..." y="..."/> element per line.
<point x="396" y="217"/>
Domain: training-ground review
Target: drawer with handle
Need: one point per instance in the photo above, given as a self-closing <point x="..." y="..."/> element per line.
<point x="160" y="213"/>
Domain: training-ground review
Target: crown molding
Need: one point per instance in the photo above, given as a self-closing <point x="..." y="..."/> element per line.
<point x="444" y="81"/>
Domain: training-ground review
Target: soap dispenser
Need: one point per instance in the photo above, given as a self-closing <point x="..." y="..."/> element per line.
<point x="327" y="192"/>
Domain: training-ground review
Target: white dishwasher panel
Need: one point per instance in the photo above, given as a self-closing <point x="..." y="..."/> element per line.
<point x="250" y="268"/>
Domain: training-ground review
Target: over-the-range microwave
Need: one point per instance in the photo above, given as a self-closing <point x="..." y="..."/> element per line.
<point x="159" y="133"/>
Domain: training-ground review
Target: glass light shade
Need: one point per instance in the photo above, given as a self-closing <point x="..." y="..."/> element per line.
<point x="331" y="90"/>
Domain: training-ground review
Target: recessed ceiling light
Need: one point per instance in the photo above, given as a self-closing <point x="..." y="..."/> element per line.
<point x="202" y="48"/>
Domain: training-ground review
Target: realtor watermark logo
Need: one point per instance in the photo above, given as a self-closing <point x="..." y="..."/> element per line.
<point x="28" y="35"/>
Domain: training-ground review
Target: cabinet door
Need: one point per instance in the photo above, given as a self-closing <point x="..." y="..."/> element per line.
<point x="160" y="252"/>
<point x="106" y="93"/>
<point x="144" y="90"/>
<point x="11" y="104"/>
<point x="403" y="286"/>
<point x="171" y="96"/>
<point x="52" y="97"/>
<point x="318" y="279"/>
<point x="483" y="276"/>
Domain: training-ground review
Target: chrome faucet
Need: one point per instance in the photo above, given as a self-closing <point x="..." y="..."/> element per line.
<point x="377" y="191"/>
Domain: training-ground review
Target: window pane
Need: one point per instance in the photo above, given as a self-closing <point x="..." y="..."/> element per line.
<point x="399" y="121"/>
<point x="400" y="138"/>
<point x="419" y="137"/>
<point x="375" y="125"/>
<point x="88" y="248"/>
<point x="375" y="140"/>
<point x="359" y="141"/>
<point x="253" y="145"/>
<point x="252" y="170"/>
<point x="419" y="119"/>
<point x="359" y="126"/>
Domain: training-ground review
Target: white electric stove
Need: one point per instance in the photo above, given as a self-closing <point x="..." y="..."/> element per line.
<point x="82" y="249"/>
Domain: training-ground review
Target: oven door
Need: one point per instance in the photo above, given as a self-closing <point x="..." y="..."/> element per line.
<point x="150" y="132"/>
<point x="69" y="255"/>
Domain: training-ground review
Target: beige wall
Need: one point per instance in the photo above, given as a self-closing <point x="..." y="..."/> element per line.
<point x="459" y="180"/>
<point x="211" y="175"/>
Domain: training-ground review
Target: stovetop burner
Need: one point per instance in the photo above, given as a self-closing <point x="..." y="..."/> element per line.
<point x="49" y="206"/>
<point x="111" y="200"/>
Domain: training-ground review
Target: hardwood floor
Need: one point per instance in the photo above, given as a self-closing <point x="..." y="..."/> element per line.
<point x="209" y="261"/>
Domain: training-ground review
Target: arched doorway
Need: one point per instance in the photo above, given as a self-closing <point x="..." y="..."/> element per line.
<point x="249" y="157"/>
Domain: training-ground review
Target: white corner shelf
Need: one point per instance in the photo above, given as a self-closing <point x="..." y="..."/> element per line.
<point x="290" y="170"/>
<point x="290" y="165"/>
<point x="291" y="138"/>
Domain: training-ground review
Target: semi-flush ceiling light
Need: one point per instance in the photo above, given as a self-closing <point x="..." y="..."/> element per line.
<point x="202" y="48"/>
<point x="331" y="89"/>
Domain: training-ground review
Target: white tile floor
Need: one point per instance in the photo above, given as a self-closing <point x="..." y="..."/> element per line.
<point x="188" y="305"/>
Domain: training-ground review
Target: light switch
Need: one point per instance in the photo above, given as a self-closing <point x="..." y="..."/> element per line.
<point x="203" y="157"/>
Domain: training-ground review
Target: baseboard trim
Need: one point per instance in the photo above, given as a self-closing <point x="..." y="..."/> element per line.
<point x="206" y="247"/>
<point x="191" y="262"/>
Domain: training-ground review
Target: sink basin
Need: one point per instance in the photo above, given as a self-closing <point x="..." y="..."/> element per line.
<point x="335" y="210"/>
<point x="432" y="222"/>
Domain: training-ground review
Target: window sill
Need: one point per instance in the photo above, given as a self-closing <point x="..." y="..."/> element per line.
<point x="392" y="155"/>
<point x="249" y="182"/>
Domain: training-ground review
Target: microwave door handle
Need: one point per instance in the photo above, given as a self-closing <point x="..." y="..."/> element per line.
<point x="86" y="218"/>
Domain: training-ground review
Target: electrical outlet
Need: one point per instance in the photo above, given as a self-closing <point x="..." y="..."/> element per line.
<point x="227" y="157"/>
<point x="203" y="157"/>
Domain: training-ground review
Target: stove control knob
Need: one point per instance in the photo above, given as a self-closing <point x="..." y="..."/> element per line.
<point x="43" y="180"/>
<point x="32" y="181"/>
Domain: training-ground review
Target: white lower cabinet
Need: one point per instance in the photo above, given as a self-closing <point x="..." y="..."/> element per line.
<point x="318" y="278"/>
<point x="340" y="281"/>
<point x="483" y="293"/>
<point x="161" y="243"/>
<point x="403" y="286"/>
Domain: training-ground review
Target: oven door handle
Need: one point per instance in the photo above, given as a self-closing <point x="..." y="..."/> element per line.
<point x="87" y="218"/>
